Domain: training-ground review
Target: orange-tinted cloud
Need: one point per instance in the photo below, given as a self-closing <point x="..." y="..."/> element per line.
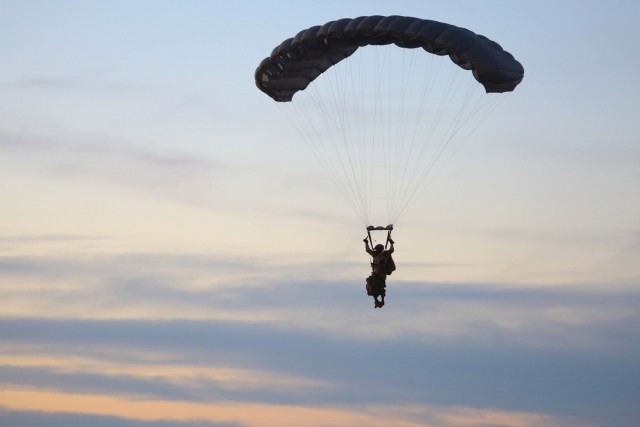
<point x="260" y="415"/>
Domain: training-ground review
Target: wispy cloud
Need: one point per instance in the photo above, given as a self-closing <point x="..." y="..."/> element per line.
<point x="182" y="177"/>
<point x="190" y="286"/>
<point x="46" y="238"/>
<point x="635" y="244"/>
<point x="174" y="414"/>
<point x="47" y="83"/>
<point x="198" y="329"/>
<point x="414" y="368"/>
<point x="61" y="419"/>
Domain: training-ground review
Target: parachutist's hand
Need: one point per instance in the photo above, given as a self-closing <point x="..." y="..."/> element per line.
<point x="391" y="241"/>
<point x="365" y="240"/>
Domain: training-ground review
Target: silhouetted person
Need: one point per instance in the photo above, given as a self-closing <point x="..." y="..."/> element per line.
<point x="381" y="266"/>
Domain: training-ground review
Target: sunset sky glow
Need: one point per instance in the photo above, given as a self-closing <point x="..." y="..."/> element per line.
<point x="172" y="255"/>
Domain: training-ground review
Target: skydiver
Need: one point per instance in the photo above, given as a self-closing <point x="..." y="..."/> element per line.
<point x="382" y="265"/>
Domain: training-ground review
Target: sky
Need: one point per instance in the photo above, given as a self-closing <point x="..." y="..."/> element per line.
<point x="172" y="255"/>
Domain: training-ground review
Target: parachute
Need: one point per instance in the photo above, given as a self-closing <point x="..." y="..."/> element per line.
<point x="379" y="124"/>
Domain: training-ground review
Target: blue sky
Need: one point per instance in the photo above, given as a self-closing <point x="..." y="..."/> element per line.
<point x="172" y="255"/>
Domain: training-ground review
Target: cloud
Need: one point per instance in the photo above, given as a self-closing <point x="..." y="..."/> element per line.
<point x="292" y="416"/>
<point x="413" y="370"/>
<point x="567" y="351"/>
<point x="167" y="175"/>
<point x="47" y="82"/>
<point x="48" y="419"/>
<point x="635" y="244"/>
<point x="45" y="238"/>
<point x="109" y="160"/>
<point x="169" y="381"/>
<point x="45" y="378"/>
<point x="222" y="287"/>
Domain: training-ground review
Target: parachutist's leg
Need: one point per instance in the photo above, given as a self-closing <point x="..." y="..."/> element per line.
<point x="376" y="303"/>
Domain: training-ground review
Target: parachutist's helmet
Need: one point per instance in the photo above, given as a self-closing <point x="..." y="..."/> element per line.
<point x="379" y="248"/>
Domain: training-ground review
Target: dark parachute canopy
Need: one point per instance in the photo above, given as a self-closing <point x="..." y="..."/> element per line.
<point x="298" y="61"/>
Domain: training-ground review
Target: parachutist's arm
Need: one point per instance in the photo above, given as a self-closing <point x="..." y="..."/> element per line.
<point x="391" y="249"/>
<point x="367" y="248"/>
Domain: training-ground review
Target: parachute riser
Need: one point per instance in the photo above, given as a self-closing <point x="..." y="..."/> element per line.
<point x="388" y="229"/>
